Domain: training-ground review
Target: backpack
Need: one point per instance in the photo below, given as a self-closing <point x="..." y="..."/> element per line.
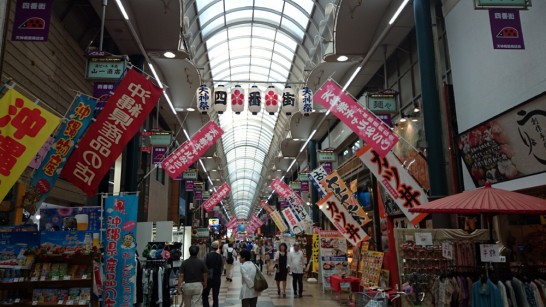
<point x="229" y="257"/>
<point x="260" y="284"/>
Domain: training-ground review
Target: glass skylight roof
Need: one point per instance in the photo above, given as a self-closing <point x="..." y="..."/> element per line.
<point x="250" y="42"/>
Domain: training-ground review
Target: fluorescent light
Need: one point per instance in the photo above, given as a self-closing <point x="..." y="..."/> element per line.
<point x="186" y="133"/>
<point x="155" y="75"/>
<point x="190" y="109"/>
<point x="290" y="167"/>
<point x="351" y="78"/>
<point x="295" y="139"/>
<point x="169" y="55"/>
<point x="203" y="166"/>
<point x="122" y="9"/>
<point x="342" y="58"/>
<point x="398" y="11"/>
<point x="403" y="119"/>
<point x="414" y="119"/>
<point x="169" y="102"/>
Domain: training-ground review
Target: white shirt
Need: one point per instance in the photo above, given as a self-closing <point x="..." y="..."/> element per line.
<point x="259" y="251"/>
<point x="248" y="273"/>
<point x="224" y="248"/>
<point x="232" y="251"/>
<point x="296" y="263"/>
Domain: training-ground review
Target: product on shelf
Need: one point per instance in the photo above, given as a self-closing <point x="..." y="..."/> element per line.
<point x="46" y="269"/>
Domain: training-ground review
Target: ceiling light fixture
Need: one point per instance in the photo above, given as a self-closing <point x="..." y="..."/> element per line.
<point x="190" y="109"/>
<point x="296" y="139"/>
<point x="416" y="107"/>
<point x="357" y="70"/>
<point x="398" y="11"/>
<point x="155" y="75"/>
<point x="169" y="55"/>
<point x="415" y="119"/>
<point x="403" y="118"/>
<point x="169" y="102"/>
<point x="342" y="58"/>
<point x="122" y="9"/>
<point x="186" y="133"/>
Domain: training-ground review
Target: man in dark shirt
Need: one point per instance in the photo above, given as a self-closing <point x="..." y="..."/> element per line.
<point x="193" y="274"/>
<point x="215" y="264"/>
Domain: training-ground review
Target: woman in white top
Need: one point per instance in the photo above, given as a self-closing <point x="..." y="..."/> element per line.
<point x="259" y="251"/>
<point x="228" y="261"/>
<point x="249" y="297"/>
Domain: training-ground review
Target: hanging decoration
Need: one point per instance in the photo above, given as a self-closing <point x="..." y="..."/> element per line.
<point x="237" y="99"/>
<point x="288" y="100"/>
<point x="203" y="99"/>
<point x="306" y="101"/>
<point x="220" y="99"/>
<point x="271" y="100"/>
<point x="254" y="100"/>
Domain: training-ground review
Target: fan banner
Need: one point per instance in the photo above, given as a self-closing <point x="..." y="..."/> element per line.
<point x="405" y="191"/>
<point x="217" y="197"/>
<point x="78" y="119"/>
<point x="316" y="177"/>
<point x="123" y="114"/>
<point x="277" y="219"/>
<point x="342" y="220"/>
<point x="286" y="192"/>
<point x="334" y="184"/>
<point x="189" y="152"/>
<point x="361" y="121"/>
<point x="119" y="256"/>
<point x="24" y="128"/>
<point x="266" y="207"/>
<point x="292" y="220"/>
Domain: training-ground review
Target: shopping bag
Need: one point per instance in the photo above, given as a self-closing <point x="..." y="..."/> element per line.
<point x="260" y="284"/>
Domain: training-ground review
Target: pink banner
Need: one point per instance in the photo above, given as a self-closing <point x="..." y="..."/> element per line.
<point x="362" y="122"/>
<point x="231" y="224"/>
<point x="266" y="207"/>
<point x="217" y="197"/>
<point x="191" y="150"/>
<point x="286" y="192"/>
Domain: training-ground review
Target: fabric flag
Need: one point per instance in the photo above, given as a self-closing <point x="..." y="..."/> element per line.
<point x="266" y="207"/>
<point x="216" y="197"/>
<point x="361" y="121"/>
<point x="122" y="116"/>
<point x="24" y="128"/>
<point x="189" y="152"/>
<point x="286" y="192"/>
<point x="392" y="175"/>
<point x="342" y="220"/>
<point x="334" y="184"/>
<point x="119" y="255"/>
<point x="78" y="119"/>
<point x="292" y="220"/>
<point x="315" y="255"/>
<point x="316" y="177"/>
<point x="277" y="219"/>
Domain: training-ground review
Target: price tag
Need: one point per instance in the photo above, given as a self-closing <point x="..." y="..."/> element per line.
<point x="17" y="300"/>
<point x="34" y="279"/>
<point x="67" y="277"/>
<point x="70" y="302"/>
<point x="34" y="302"/>
<point x="60" y="302"/>
<point x="55" y="278"/>
<point x="82" y="302"/>
<point x="502" y="258"/>
<point x="84" y="276"/>
<point x="21" y="279"/>
<point x="43" y="278"/>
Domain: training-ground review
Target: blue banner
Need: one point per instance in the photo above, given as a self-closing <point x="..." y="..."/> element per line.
<point x="72" y="129"/>
<point x="120" y="246"/>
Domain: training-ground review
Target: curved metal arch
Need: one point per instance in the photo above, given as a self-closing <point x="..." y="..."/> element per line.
<point x="252" y="123"/>
<point x="250" y="170"/>
<point x="249" y="64"/>
<point x="238" y="144"/>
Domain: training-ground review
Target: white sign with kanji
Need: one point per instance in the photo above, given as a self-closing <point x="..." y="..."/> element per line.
<point x="491" y="253"/>
<point x="447" y="250"/>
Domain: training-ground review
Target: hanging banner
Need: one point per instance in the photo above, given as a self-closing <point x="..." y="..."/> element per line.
<point x="266" y="207"/>
<point x="305" y="186"/>
<point x="405" y="191"/>
<point x="334" y="184"/>
<point x="31" y="21"/>
<point x="292" y="220"/>
<point x="232" y="224"/>
<point x="185" y="155"/>
<point x="315" y="256"/>
<point x="284" y="191"/>
<point x="277" y="219"/>
<point x="159" y="153"/>
<point x="78" y="119"/>
<point x="122" y="116"/>
<point x="333" y="255"/>
<point x="362" y="122"/>
<point x="216" y="197"/>
<point x="316" y="176"/>
<point x="506" y="28"/>
<point x="39" y="158"/>
<point x="343" y="221"/>
<point x="24" y="128"/>
<point x="119" y="256"/>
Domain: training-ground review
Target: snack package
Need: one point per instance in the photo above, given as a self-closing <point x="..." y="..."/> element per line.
<point x="46" y="269"/>
<point x="73" y="270"/>
<point x="62" y="295"/>
<point x="63" y="270"/>
<point x="82" y="270"/>
<point x="54" y="271"/>
<point x="73" y="293"/>
<point x="37" y="270"/>
<point x="38" y="295"/>
<point x="50" y="296"/>
<point x="85" y="294"/>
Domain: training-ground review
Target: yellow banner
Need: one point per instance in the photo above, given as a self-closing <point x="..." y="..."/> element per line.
<point x="277" y="219"/>
<point x="24" y="128"/>
<point x="315" y="252"/>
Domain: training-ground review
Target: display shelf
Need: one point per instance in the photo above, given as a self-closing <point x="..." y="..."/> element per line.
<point x="27" y="303"/>
<point x="48" y="284"/>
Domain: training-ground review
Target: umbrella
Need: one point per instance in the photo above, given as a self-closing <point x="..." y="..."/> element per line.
<point x="486" y="200"/>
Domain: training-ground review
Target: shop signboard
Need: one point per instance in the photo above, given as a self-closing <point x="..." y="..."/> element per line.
<point x="32" y="20"/>
<point x="326" y="156"/>
<point x="364" y="123"/>
<point x="189" y="185"/>
<point x="506" y="28"/>
<point x="303" y="177"/>
<point x="522" y="4"/>
<point x="105" y="68"/>
<point x="13" y="248"/>
<point x="158" y="154"/>
<point x="316" y="176"/>
<point x="24" y="128"/>
<point x="334" y="184"/>
<point x="491" y="253"/>
<point x="509" y="146"/>
<point x="189" y="152"/>
<point x="304" y="187"/>
<point x="382" y="102"/>
<point x="120" y="245"/>
<point x="386" y="118"/>
<point x="295" y="185"/>
<point x="122" y="116"/>
<point x="328" y="167"/>
<point x="216" y="197"/>
<point x="190" y="174"/>
<point x="342" y="220"/>
<point x="68" y="240"/>
<point x="198" y="195"/>
<point x="206" y="195"/>
<point x="447" y="250"/>
<point x="396" y="180"/>
<point x="70" y="218"/>
<point x="333" y="256"/>
<point x="277" y="219"/>
<point x="102" y="89"/>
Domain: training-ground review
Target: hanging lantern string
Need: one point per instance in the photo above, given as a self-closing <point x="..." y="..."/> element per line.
<point x="252" y="81"/>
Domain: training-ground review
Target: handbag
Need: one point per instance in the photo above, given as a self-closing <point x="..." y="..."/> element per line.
<point x="260" y="284"/>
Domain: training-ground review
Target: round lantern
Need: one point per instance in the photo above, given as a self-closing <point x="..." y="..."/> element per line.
<point x="254" y="100"/>
<point x="288" y="100"/>
<point x="237" y="99"/>
<point x="220" y="99"/>
<point x="203" y="98"/>
<point x="271" y="100"/>
<point x="306" y="101"/>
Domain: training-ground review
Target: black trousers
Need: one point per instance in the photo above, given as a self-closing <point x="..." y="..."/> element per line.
<point x="213" y="284"/>
<point x="297" y="283"/>
<point x="249" y="302"/>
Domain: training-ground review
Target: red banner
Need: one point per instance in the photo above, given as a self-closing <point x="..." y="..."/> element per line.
<point x="266" y="207"/>
<point x="286" y="192"/>
<point x="216" y="197"/>
<point x="123" y="115"/>
<point x="364" y="123"/>
<point x="185" y="155"/>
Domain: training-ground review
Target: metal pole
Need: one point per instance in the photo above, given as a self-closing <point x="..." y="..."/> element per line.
<point x="104" y="4"/>
<point x="376" y="217"/>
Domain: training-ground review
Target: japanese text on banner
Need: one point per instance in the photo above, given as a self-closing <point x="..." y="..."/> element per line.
<point x="24" y="128"/>
<point x="120" y="246"/>
<point x="343" y="221"/>
<point x="316" y="176"/>
<point x="266" y="207"/>
<point x="185" y="155"/>
<point x="122" y="116"/>
<point x="405" y="191"/>
<point x="216" y="197"/>
<point x="277" y="219"/>
<point x="362" y="122"/>
<point x="284" y="191"/>
<point x="292" y="220"/>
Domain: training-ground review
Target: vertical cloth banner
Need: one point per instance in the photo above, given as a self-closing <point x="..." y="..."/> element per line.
<point x="405" y="191"/>
<point x="362" y="122"/>
<point x="24" y="128"/>
<point x="315" y="256"/>
<point x="32" y="19"/>
<point x="285" y="191"/>
<point x="216" y="197"/>
<point x="277" y="219"/>
<point x="191" y="150"/>
<point x="316" y="176"/>
<point x="292" y="220"/>
<point x="266" y="207"/>
<point x="78" y="119"/>
<point x="342" y="220"/>
<point x="119" y="255"/>
<point x="122" y="116"/>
